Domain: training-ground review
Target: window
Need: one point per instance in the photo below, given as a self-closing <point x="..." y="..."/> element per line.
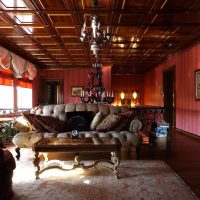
<point x="8" y="99"/>
<point x="6" y="94"/>
<point x="24" y="95"/>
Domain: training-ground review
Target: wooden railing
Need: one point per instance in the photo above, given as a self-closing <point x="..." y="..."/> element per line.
<point x="10" y="112"/>
<point x="149" y="114"/>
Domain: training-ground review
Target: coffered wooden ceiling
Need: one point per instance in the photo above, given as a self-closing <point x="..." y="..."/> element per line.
<point x="144" y="32"/>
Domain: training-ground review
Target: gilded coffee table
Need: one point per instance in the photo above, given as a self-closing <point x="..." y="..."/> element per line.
<point x="46" y="145"/>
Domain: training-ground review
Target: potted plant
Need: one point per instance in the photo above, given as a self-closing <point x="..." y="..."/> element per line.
<point x="7" y="132"/>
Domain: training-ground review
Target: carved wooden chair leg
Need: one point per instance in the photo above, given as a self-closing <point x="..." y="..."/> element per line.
<point x="18" y="153"/>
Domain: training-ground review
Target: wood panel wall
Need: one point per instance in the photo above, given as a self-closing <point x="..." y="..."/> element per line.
<point x="36" y="88"/>
<point x="187" y="109"/>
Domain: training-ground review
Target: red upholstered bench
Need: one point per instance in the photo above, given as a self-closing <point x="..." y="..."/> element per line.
<point x="7" y="165"/>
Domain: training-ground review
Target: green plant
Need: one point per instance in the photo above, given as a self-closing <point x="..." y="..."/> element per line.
<point x="7" y="130"/>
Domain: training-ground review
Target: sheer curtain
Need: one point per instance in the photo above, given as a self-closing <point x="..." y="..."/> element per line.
<point x="24" y="95"/>
<point x="6" y="94"/>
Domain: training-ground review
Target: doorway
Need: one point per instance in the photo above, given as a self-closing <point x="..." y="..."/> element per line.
<point x="169" y="95"/>
<point x="52" y="91"/>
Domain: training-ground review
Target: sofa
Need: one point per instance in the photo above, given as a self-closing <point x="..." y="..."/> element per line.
<point x="127" y="135"/>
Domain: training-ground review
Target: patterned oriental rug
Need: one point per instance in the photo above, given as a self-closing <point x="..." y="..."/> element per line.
<point x="140" y="180"/>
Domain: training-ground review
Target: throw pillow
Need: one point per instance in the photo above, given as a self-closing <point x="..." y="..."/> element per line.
<point x="44" y="123"/>
<point x="108" y="123"/>
<point x="96" y="121"/>
<point x="21" y="124"/>
<point x="33" y="123"/>
<point x="125" y="118"/>
<point x="51" y="124"/>
<point x="87" y="115"/>
<point x="77" y="123"/>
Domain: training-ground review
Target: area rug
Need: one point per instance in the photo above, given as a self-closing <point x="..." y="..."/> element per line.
<point x="139" y="180"/>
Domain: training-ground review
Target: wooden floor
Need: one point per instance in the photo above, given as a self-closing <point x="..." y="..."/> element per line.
<point x="183" y="156"/>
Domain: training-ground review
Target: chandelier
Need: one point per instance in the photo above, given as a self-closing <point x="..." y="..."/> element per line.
<point x="95" y="91"/>
<point x="98" y="35"/>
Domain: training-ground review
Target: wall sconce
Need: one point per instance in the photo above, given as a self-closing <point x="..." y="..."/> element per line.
<point x="135" y="95"/>
<point x="131" y="98"/>
<point x="123" y="100"/>
<point x="122" y="95"/>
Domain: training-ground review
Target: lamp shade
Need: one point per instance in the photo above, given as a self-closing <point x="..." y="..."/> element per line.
<point x="135" y="95"/>
<point x="122" y="95"/>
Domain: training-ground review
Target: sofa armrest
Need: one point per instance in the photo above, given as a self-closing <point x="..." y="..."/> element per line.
<point x="135" y="126"/>
<point x="132" y="139"/>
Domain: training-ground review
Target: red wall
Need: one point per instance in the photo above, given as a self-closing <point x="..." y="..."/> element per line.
<point x="153" y="87"/>
<point x="76" y="77"/>
<point x="187" y="109"/>
<point x="129" y="83"/>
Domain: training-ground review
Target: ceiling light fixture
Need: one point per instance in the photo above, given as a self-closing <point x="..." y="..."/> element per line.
<point x="95" y="91"/>
<point x="99" y="35"/>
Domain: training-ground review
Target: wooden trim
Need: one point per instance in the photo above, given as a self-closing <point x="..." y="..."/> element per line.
<point x="197" y="98"/>
<point x="191" y="135"/>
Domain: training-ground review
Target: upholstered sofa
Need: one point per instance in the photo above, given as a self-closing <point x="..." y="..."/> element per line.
<point x="127" y="136"/>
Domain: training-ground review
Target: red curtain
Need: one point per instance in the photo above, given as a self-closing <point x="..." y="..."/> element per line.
<point x="24" y="84"/>
<point x="5" y="58"/>
<point x="6" y="81"/>
<point x="19" y="66"/>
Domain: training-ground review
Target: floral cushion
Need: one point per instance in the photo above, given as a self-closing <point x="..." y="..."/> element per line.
<point x="108" y="123"/>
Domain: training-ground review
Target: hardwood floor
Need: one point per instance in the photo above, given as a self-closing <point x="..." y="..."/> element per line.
<point x="183" y="156"/>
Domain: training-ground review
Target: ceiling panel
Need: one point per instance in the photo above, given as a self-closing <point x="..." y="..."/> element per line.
<point x="143" y="33"/>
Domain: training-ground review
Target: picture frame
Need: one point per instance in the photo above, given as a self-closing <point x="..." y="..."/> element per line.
<point x="197" y="84"/>
<point x="76" y="91"/>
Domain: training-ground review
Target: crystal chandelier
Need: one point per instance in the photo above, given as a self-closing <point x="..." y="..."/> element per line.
<point x="99" y="35"/>
<point x="95" y="91"/>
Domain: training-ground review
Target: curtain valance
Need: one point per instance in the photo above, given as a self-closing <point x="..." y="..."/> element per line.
<point x="18" y="65"/>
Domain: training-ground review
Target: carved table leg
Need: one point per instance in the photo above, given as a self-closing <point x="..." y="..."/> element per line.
<point x="115" y="160"/>
<point x="46" y="159"/>
<point x="36" y="163"/>
<point x="17" y="150"/>
<point x="77" y="161"/>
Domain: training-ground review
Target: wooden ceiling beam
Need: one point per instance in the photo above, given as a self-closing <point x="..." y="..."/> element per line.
<point x="136" y="11"/>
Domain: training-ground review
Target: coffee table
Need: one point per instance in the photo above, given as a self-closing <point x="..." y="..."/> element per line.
<point x="92" y="145"/>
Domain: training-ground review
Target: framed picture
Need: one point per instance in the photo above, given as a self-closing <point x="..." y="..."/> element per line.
<point x="76" y="91"/>
<point x="197" y="84"/>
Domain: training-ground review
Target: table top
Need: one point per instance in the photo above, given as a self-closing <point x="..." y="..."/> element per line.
<point x="81" y="144"/>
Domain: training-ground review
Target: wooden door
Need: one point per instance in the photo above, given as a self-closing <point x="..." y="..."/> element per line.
<point x="169" y="95"/>
<point x="52" y="91"/>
